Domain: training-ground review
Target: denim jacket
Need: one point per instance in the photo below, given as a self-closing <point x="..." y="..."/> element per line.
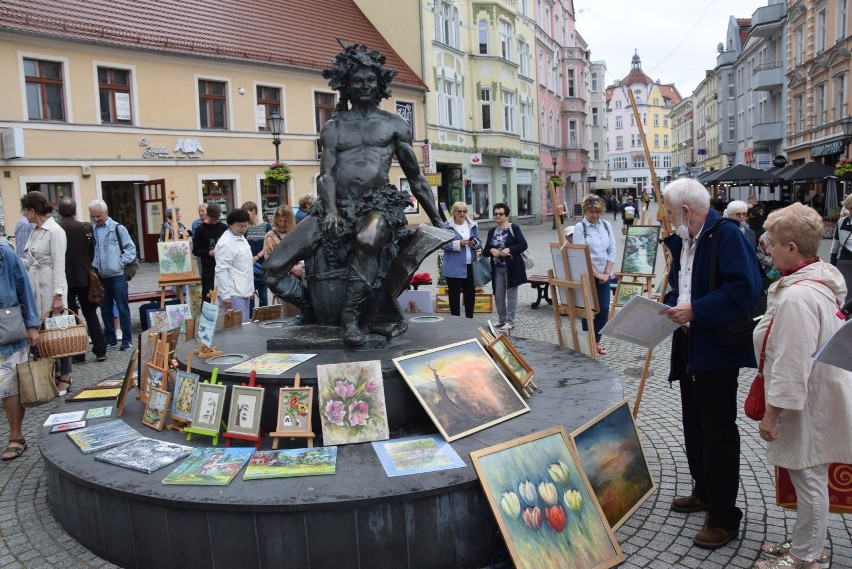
<point x="110" y="258"/>
<point x="16" y="290"/>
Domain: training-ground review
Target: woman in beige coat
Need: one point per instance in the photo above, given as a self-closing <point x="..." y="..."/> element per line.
<point x="44" y="257"/>
<point x="808" y="421"/>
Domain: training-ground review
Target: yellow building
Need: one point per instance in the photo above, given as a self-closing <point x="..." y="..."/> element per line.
<point x="156" y="112"/>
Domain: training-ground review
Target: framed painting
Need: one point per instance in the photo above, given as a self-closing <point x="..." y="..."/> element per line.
<point x="573" y="261"/>
<point x="246" y="405"/>
<point x="184" y="395"/>
<point x="208" y="405"/>
<point x="640" y="249"/>
<point x="625" y="291"/>
<point x="175" y="257"/>
<point x="65" y="427"/>
<point x="207" y="324"/>
<point x="294" y="409"/>
<point x="517" y="368"/>
<point x="128" y="383"/>
<point x="483" y="303"/>
<point x="178" y="314"/>
<point x="156" y="409"/>
<point x="194" y="293"/>
<point x="612" y="457"/>
<point x="352" y="402"/>
<point x="544" y="505"/>
<point x="461" y="388"/>
<point x="154" y="377"/>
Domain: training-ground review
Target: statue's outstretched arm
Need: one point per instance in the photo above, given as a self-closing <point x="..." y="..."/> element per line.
<point x="417" y="181"/>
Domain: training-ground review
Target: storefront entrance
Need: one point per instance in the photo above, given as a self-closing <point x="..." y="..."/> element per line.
<point x="140" y="207"/>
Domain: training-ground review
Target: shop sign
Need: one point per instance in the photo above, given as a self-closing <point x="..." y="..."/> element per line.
<point x="428" y="163"/>
<point x="434" y="179"/>
<point x="507" y="162"/>
<point x="779" y="161"/>
<point x="834" y="147"/>
<point x="476" y="158"/>
<point x="524" y="177"/>
<point x="184" y="149"/>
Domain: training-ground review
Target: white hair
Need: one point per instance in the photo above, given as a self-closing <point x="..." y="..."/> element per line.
<point x="101" y="204"/>
<point x="735" y="206"/>
<point x="687" y="191"/>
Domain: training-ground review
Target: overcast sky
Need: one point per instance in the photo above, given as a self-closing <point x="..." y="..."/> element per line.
<point x="675" y="39"/>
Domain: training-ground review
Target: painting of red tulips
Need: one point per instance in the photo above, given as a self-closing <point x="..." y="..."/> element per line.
<point x="461" y="388"/>
<point x="544" y="505"/>
<point x="612" y="457"/>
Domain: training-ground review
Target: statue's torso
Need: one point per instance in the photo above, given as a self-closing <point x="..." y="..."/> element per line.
<point x="364" y="152"/>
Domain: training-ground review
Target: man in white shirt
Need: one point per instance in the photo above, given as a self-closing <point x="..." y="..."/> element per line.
<point x="234" y="261"/>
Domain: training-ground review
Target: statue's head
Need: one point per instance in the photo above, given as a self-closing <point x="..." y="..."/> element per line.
<point x="353" y="58"/>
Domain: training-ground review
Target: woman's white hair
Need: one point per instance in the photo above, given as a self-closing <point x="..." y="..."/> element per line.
<point x="735" y="206"/>
<point x="687" y="191"/>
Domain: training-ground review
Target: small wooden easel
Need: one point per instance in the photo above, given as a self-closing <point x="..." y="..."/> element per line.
<point x="292" y="435"/>
<point x="190" y="430"/>
<point x="255" y="438"/>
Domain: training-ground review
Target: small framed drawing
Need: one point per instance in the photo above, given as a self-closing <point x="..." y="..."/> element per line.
<point x="184" y="395"/>
<point x="156" y="409"/>
<point x="625" y="291"/>
<point x="517" y="368"/>
<point x="207" y="407"/>
<point x="153" y="378"/>
<point x="294" y="409"/>
<point x="246" y="405"/>
<point x="127" y="384"/>
<point x="640" y="249"/>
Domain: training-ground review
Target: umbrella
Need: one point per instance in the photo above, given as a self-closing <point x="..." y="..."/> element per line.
<point x="712" y="176"/>
<point x="808" y="172"/>
<point x="742" y="174"/>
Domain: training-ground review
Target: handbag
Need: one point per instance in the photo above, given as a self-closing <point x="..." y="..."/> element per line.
<point x="12" y="327"/>
<point x="527" y="258"/>
<point x="36" y="385"/>
<point x="482" y="271"/>
<point x="131" y="267"/>
<point x="755" y="403"/>
<point x="96" y="287"/>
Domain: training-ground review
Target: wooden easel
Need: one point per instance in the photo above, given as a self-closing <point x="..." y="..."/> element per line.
<point x="177" y="280"/>
<point x="229" y="436"/>
<point x="293" y="435"/>
<point x="572" y="312"/>
<point x="558" y="212"/>
<point x="190" y="430"/>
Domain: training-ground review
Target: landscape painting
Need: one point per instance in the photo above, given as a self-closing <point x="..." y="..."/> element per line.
<point x="612" y="457"/>
<point x="210" y="466"/>
<point x="156" y="409"/>
<point x="461" y="388"/>
<point x="640" y="249"/>
<point x="352" y="402"/>
<point x="290" y="463"/>
<point x="416" y="455"/>
<point x="542" y="501"/>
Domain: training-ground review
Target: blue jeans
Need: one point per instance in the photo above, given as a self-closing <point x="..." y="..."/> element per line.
<point x="116" y="289"/>
<point x="602" y="316"/>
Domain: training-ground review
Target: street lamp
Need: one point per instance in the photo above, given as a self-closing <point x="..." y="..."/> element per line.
<point x="275" y="122"/>
<point x="554" y="156"/>
<point x="846" y="125"/>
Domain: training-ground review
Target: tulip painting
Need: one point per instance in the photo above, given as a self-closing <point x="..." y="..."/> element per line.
<point x="544" y="505"/>
<point x="352" y="403"/>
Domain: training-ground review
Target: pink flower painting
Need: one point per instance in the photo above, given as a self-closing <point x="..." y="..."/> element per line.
<point x="359" y="412"/>
<point x="353" y="399"/>
<point x="334" y="412"/>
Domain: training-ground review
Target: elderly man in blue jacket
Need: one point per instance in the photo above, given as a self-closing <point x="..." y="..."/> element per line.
<point x="714" y="280"/>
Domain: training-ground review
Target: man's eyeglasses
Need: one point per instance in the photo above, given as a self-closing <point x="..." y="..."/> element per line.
<point x="496" y="213"/>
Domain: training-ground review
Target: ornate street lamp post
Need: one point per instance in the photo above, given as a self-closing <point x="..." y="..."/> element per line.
<point x="846" y="125"/>
<point x="275" y="123"/>
<point x="554" y="156"/>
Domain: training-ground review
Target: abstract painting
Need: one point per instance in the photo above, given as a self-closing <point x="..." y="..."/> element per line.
<point x="289" y="463"/>
<point x="144" y="454"/>
<point x="352" y="402"/>
<point x="543" y="503"/>
<point x="461" y="388"/>
<point x="194" y="293"/>
<point x="416" y="455"/>
<point x="64" y="427"/>
<point x="612" y="457"/>
<point x="640" y="249"/>
<point x="294" y="409"/>
<point x="159" y="321"/>
<point x="103" y="436"/>
<point x="184" y="395"/>
<point x="270" y="364"/>
<point x="175" y="257"/>
<point x="210" y="466"/>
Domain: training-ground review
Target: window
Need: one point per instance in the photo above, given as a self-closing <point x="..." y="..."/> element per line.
<point x="114" y="95"/>
<point x="506" y="40"/>
<point x="571" y="90"/>
<point x="619" y="163"/>
<point x="483" y="37"/>
<point x="732" y="128"/>
<point x="800" y="112"/>
<point x="667" y="161"/>
<point x="485" y="98"/>
<point x="619" y="122"/>
<point x="449" y="102"/>
<point x="524" y="7"/>
<point x="656" y="141"/>
<point x="632" y="120"/>
<point x="323" y="109"/>
<point x="596" y="151"/>
<point x="53" y="192"/>
<point x="819" y="97"/>
<point x="542" y="78"/>
<point x="618" y="104"/>
<point x="633" y="138"/>
<point x="656" y="119"/>
<point x="655" y="160"/>
<point x="730" y="85"/>
<point x="842" y="9"/>
<point x="799" y="45"/>
<point x="639" y="162"/>
<point x="594" y="82"/>
<point x="45" y="100"/>
<point x="220" y="192"/>
<point x="550" y="136"/>
<point x="820" y="29"/>
<point x="447" y="23"/>
<point x="839" y="96"/>
<point x="524" y="55"/>
<point x="268" y="100"/>
<point x="665" y="121"/>
<point x="526" y="121"/>
<point x="644" y="118"/>
<point x="619" y="142"/>
<point x="211" y="104"/>
<point x="665" y="141"/>
<point x="558" y="142"/>
<point x="595" y="116"/>
<point x="573" y="141"/>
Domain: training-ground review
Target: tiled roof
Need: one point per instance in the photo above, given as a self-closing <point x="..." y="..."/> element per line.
<point x="299" y="34"/>
<point x="745" y="26"/>
<point x="635" y="76"/>
<point x="670" y="93"/>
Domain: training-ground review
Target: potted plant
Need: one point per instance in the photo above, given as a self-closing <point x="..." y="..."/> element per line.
<point x="843" y="168"/>
<point x="556" y="181"/>
<point x="277" y="173"/>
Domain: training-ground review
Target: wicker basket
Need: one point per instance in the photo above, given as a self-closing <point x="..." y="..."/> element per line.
<point x="61" y="343"/>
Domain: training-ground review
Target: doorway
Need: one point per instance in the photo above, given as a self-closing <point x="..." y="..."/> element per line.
<point x="120" y="198"/>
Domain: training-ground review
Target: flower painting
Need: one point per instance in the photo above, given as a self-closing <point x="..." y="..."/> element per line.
<point x="175" y="257"/>
<point x="194" y="300"/>
<point x="184" y="394"/>
<point x="294" y="409"/>
<point x="544" y="504"/>
<point x="352" y="402"/>
<point x="177" y="315"/>
<point x="461" y="388"/>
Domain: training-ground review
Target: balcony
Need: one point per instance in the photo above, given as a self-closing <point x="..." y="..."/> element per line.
<point x="768" y="21"/>
<point x="768" y="76"/>
<point x="767" y="132"/>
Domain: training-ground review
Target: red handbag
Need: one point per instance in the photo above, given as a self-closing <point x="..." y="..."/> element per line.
<point x="755" y="403"/>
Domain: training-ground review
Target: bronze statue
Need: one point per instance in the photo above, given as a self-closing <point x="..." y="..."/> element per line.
<point x="353" y="235"/>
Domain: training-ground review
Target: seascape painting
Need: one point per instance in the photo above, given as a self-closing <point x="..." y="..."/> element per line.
<point x="461" y="388"/>
<point x="611" y="455"/>
<point x="544" y="505"/>
<point x="352" y="402"/>
<point x="289" y="463"/>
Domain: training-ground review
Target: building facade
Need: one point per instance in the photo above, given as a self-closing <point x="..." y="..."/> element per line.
<point x="683" y="139"/>
<point x="597" y="120"/>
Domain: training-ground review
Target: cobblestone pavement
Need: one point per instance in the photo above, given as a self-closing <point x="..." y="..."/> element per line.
<point x="653" y="537"/>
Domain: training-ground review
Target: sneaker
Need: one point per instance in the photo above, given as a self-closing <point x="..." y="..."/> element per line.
<point x="125" y="347"/>
<point x="102" y="358"/>
<point x="112" y="345"/>
<point x="118" y="335"/>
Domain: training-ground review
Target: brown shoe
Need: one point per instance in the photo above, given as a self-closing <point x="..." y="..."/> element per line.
<point x="689" y="504"/>
<point x="713" y="538"/>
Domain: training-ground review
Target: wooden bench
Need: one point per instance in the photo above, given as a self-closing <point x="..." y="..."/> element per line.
<point x="541" y="285"/>
<point x="149" y="296"/>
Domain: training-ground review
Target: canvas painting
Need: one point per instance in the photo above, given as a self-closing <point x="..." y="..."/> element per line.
<point x="184" y="395"/>
<point x="98" y="412"/>
<point x="352" y="402"/>
<point x="208" y="405"/>
<point x="416" y="455"/>
<point x="625" y="291"/>
<point x="543" y="503"/>
<point x="65" y="427"/>
<point x="155" y="412"/>
<point x="159" y="321"/>
<point x="572" y="263"/>
<point x="461" y="388"/>
<point x="289" y="463"/>
<point x="207" y="324"/>
<point x="483" y="303"/>
<point x="246" y="404"/>
<point x="294" y="409"/>
<point x="175" y="257"/>
<point x="103" y="436"/>
<point x="640" y="249"/>
<point x="177" y="315"/>
<point x="273" y="363"/>
<point x="210" y="466"/>
<point x="153" y="378"/>
<point x="517" y="368"/>
<point x="68" y="417"/>
<point x="144" y="454"/>
<point x="612" y="457"/>
<point x="194" y="295"/>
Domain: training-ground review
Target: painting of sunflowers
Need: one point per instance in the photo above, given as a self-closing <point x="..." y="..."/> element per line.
<point x="461" y="388"/>
<point x="544" y="504"/>
<point x="352" y="403"/>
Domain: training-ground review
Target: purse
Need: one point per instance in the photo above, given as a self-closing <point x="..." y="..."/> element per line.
<point x="96" y="287"/>
<point x="525" y="255"/>
<point x="12" y="327"/>
<point x="131" y="267"/>
<point x="755" y="403"/>
<point x="36" y="385"/>
<point x="482" y="271"/>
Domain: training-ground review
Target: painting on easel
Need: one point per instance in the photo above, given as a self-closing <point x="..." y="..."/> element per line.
<point x="573" y="262"/>
<point x="175" y="258"/>
<point x="207" y="324"/>
<point x="640" y="249"/>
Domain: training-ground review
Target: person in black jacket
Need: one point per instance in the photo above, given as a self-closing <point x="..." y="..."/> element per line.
<point x="204" y="245"/>
<point x="504" y="245"/>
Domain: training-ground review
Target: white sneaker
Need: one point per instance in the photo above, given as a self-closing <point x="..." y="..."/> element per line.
<point x="118" y="335"/>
